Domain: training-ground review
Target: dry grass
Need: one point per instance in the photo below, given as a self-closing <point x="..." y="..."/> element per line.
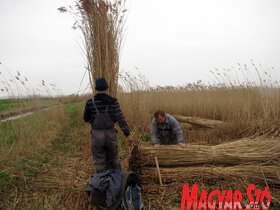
<point x="28" y="134"/>
<point x="51" y="165"/>
<point x="45" y="160"/>
<point x="250" y="102"/>
<point x="249" y="110"/>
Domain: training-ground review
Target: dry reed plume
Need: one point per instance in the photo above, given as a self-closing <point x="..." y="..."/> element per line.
<point x="101" y="23"/>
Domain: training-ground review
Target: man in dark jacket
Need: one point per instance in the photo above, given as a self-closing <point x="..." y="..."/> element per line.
<point x="165" y="129"/>
<point x="102" y="112"/>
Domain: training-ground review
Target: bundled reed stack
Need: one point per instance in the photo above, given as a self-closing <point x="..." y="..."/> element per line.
<point x="101" y="24"/>
<point x="254" y="159"/>
<point x="200" y="121"/>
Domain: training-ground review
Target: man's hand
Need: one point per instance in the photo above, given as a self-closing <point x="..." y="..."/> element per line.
<point x="128" y="141"/>
<point x="156" y="145"/>
<point x="182" y="145"/>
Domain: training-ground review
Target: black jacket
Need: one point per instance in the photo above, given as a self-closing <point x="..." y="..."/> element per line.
<point x="103" y="100"/>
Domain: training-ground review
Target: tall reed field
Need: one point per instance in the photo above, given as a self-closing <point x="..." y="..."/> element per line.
<point x="248" y="107"/>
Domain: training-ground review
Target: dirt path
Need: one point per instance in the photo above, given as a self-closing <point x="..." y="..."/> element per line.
<point x="23" y="113"/>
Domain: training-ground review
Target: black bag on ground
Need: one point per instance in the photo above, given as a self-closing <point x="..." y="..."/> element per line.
<point x="104" y="188"/>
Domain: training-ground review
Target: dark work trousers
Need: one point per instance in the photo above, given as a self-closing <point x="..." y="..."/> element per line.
<point x="104" y="148"/>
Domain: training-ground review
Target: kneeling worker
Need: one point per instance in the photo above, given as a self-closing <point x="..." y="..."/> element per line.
<point x="165" y="129"/>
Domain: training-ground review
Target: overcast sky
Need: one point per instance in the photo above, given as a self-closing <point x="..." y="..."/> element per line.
<point x="170" y="42"/>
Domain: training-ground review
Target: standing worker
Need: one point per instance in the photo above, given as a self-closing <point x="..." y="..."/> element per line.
<point x="102" y="112"/>
<point x="165" y="129"/>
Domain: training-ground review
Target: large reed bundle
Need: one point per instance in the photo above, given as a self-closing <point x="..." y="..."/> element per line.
<point x="254" y="151"/>
<point x="200" y="121"/>
<point x="257" y="159"/>
<point x="101" y="24"/>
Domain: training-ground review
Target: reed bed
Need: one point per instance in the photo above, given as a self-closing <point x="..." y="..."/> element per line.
<point x="246" y="111"/>
<point x="248" y="106"/>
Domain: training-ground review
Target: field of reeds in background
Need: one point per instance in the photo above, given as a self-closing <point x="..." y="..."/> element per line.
<point x="45" y="159"/>
<point x="249" y="108"/>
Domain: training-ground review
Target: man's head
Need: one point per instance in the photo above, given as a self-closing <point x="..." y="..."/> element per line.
<point x="101" y="84"/>
<point x="159" y="116"/>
